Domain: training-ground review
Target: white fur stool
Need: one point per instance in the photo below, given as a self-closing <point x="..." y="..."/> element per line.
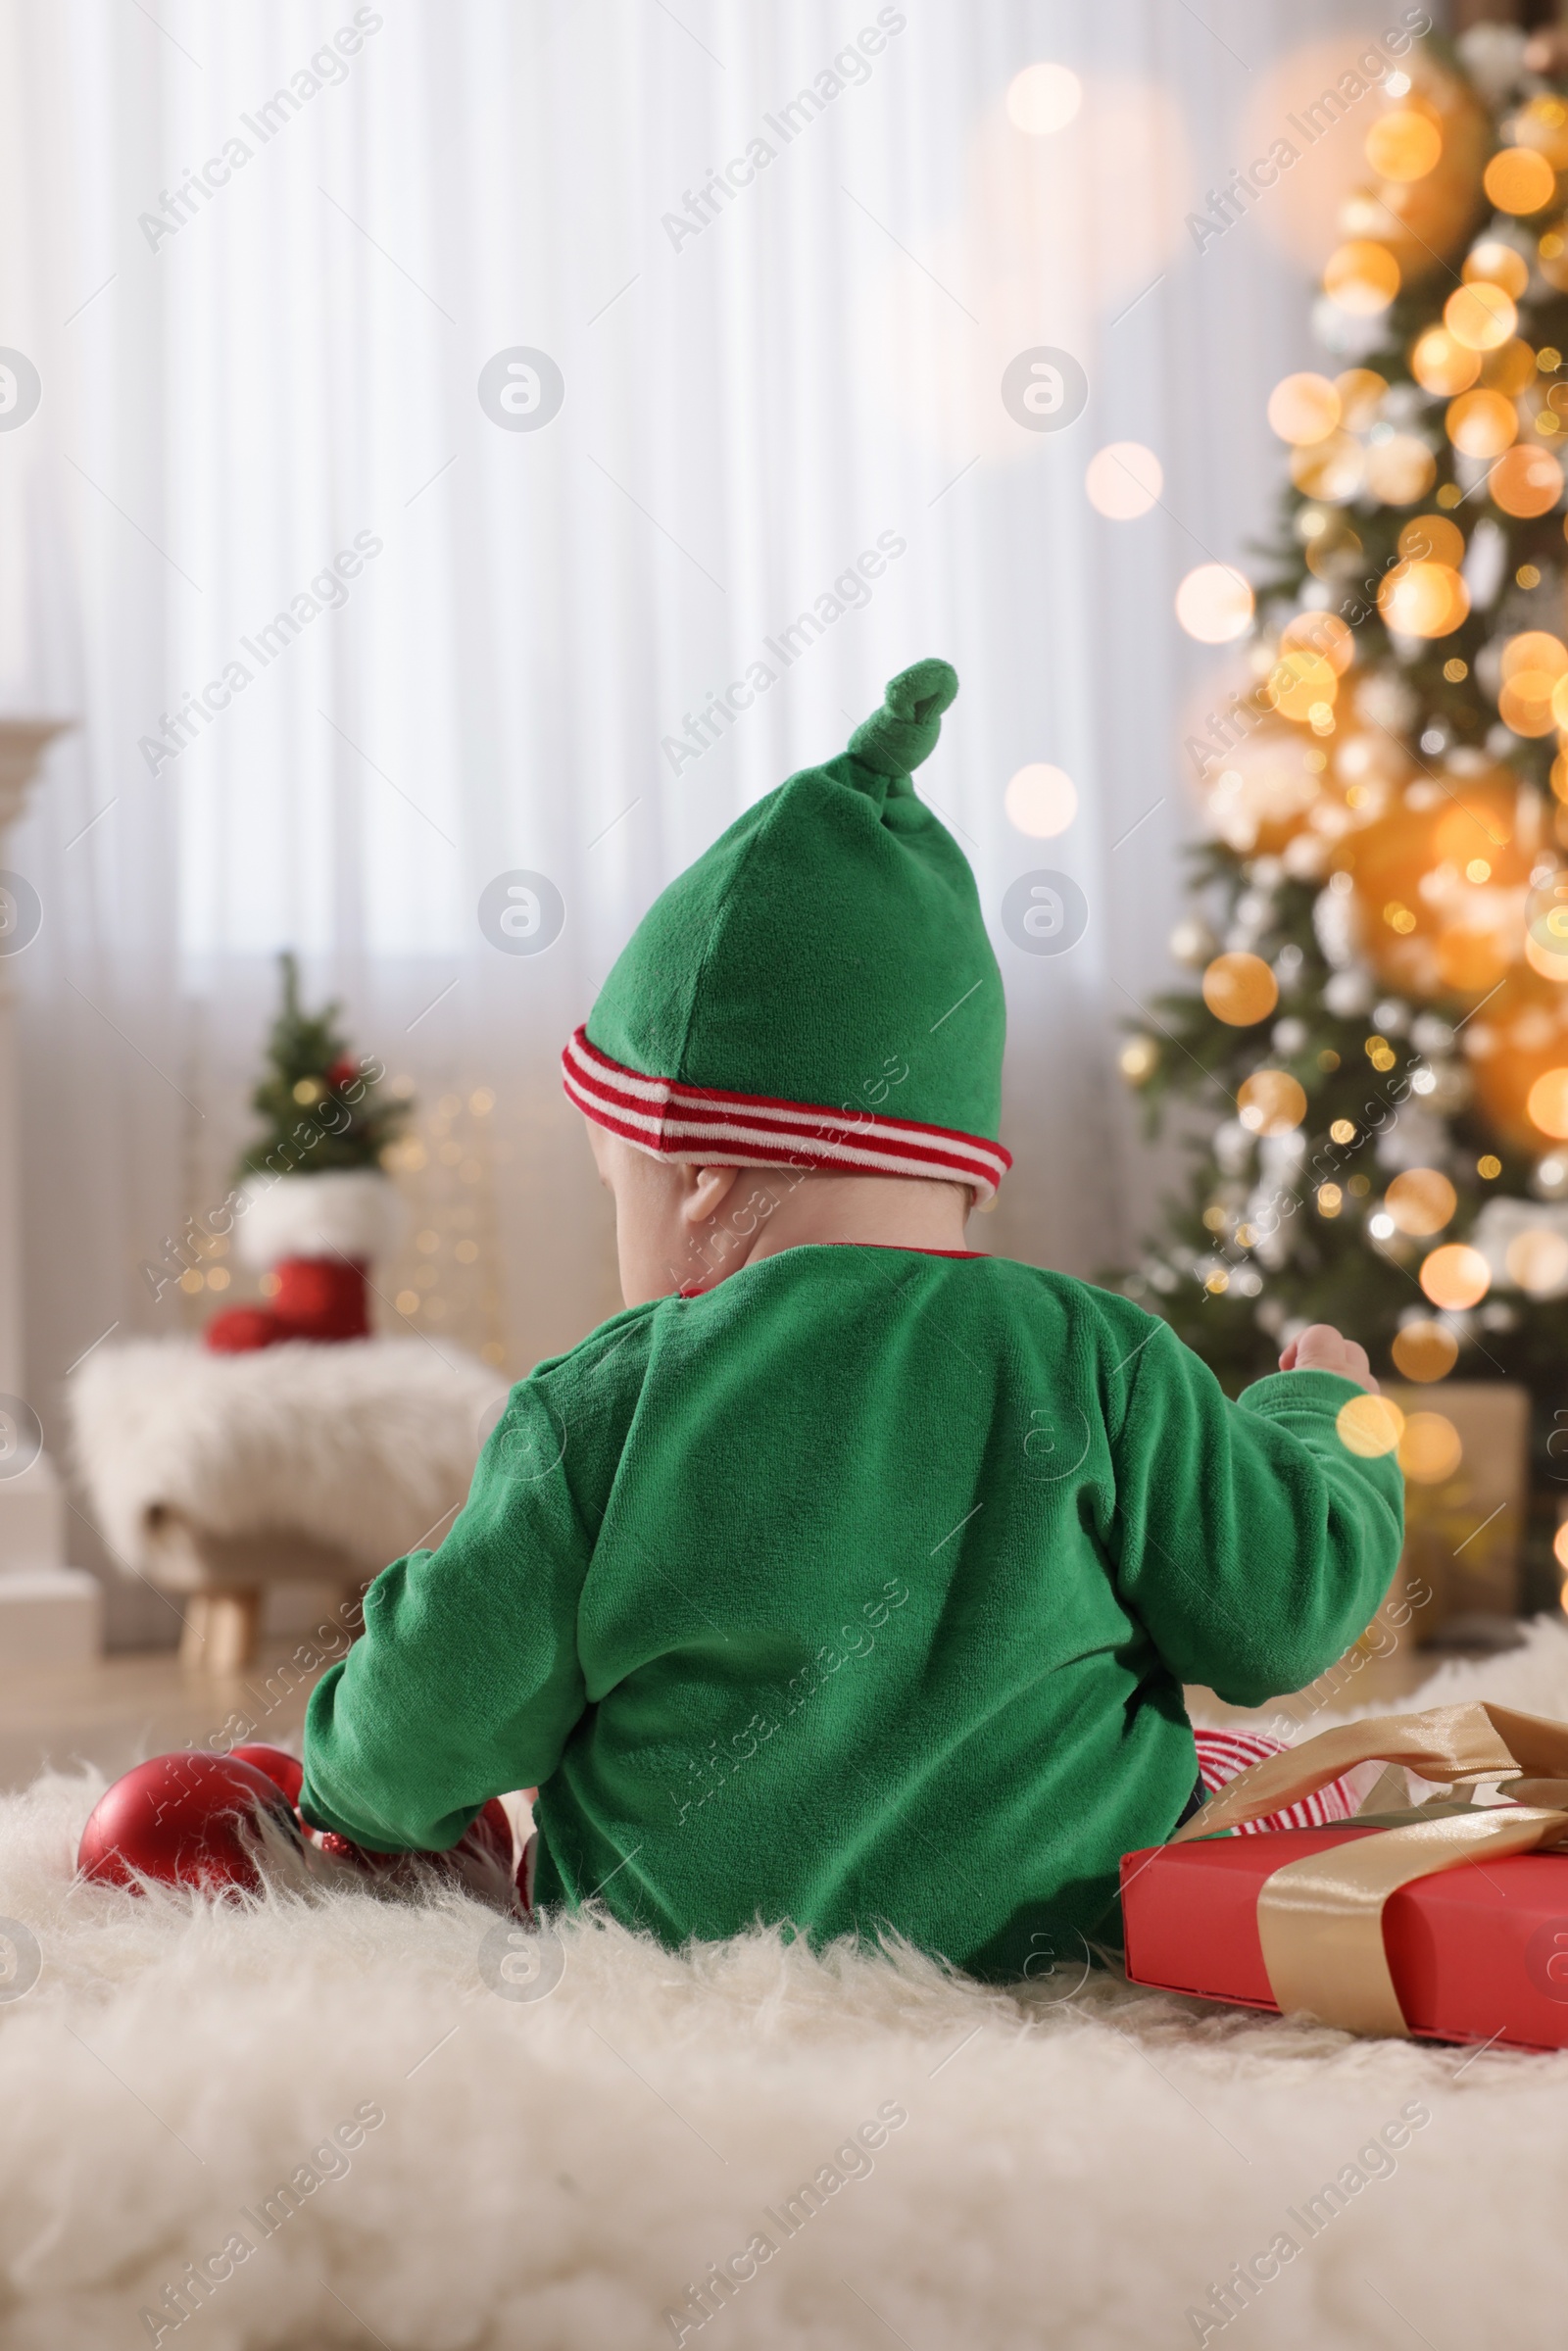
<point x="215" y="1476"/>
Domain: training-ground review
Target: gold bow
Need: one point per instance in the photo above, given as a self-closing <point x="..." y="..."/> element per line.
<point x="1320" y="1920"/>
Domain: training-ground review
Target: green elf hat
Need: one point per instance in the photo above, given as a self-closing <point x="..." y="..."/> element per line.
<point x="819" y="989"/>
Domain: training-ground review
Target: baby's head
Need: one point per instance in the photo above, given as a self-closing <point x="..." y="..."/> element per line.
<point x="802" y="1038"/>
<point x="681" y="1225"/>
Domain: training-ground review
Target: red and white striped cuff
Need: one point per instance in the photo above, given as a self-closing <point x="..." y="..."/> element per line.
<point x="746" y="1130"/>
<point x="1221" y="1754"/>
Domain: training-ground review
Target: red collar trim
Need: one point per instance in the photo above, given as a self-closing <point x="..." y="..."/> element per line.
<point x="907" y="1248"/>
<point x="901" y="1247"/>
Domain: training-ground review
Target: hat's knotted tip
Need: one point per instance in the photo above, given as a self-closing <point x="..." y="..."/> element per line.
<point x="894" y="739"/>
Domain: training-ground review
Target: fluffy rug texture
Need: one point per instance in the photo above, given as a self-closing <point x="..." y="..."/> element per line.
<point x="366" y="1446"/>
<point x="1074" y="2165"/>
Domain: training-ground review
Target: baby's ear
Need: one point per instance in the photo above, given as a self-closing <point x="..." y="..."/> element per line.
<point x="705" y="1190"/>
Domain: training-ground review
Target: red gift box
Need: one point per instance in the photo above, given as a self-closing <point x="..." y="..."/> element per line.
<point x="1478" y="1953"/>
<point x="1447" y="1918"/>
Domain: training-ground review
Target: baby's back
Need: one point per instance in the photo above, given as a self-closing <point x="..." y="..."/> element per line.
<point x="858" y="1592"/>
<point x="851" y="1637"/>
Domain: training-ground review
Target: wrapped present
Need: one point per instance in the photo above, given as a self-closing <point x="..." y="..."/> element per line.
<point x="1446" y="1919"/>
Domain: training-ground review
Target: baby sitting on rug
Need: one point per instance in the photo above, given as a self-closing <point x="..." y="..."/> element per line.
<point x="848" y="1578"/>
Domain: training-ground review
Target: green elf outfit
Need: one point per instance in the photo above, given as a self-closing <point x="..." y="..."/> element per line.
<point x="856" y="1589"/>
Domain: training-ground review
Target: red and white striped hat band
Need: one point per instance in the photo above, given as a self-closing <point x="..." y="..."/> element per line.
<point x="673" y="1121"/>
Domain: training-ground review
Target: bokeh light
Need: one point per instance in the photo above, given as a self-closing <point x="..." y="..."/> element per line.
<point x="1214" y="604"/>
<point x="1369" y="1426"/>
<point x="1482" y="423"/>
<point x="1362" y="278"/>
<point x="1403" y="145"/>
<point x="1041" y="801"/>
<point x="1546" y="908"/>
<point x="1331" y="471"/>
<point x="1305" y="407"/>
<point x="1518" y="180"/>
<point x="1525" y="481"/>
<point x="1271" y="1103"/>
<point x="1525" y="707"/>
<point x="1423" y="600"/>
<point x="1044" y="98"/>
<point x="1542" y="123"/>
<point x="1191" y="942"/>
<point x="1424" y="1352"/>
<point x="1455" y="1276"/>
<point x="1536" y="1261"/>
<point x="1546" y="1104"/>
<point x="1503" y="264"/>
<point x="1480" y="316"/>
<point x="1532" y="667"/>
<point x="1432" y="538"/>
<point x="1361" y="391"/>
<point x="1510" y="368"/>
<point x="1430" y="1448"/>
<point x="1400" y="470"/>
<point x="1324" y="634"/>
<point x="1301" y="685"/>
<point x="1443" y="366"/>
<point x="1240" y="989"/>
<point x="1421" y="1201"/>
<point x="1266" y="789"/>
<point x="1533" y="649"/>
<point x="1123" y="480"/>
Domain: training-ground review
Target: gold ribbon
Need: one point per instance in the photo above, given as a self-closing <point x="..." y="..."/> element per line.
<point x="1320" y="1919"/>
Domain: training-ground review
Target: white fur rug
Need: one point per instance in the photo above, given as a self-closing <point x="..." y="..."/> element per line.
<point x="1077" y="2166"/>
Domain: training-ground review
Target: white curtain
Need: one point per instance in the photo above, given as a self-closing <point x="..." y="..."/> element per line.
<point x="261" y="311"/>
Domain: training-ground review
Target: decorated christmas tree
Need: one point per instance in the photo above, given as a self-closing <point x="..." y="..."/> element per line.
<point x="1374" y="1058"/>
<point x="321" y="1108"/>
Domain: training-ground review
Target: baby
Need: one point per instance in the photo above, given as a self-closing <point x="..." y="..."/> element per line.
<point x="849" y="1577"/>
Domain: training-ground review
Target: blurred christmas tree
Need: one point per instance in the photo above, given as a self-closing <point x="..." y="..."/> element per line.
<point x="1381" y="922"/>
<point x="321" y="1109"/>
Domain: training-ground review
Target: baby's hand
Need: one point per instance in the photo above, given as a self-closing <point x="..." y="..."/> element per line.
<point x="1320" y="1348"/>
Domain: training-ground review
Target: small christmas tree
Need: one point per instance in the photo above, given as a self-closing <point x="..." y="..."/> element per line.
<point x="1378" y="1048"/>
<point x="323" y="1110"/>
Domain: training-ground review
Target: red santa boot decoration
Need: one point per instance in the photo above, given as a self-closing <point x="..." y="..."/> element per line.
<point x="316" y="1236"/>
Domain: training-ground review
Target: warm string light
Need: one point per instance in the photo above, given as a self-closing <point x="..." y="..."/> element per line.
<point x="447" y="1276"/>
<point x="1240" y="989"/>
<point x="1424" y="1352"/>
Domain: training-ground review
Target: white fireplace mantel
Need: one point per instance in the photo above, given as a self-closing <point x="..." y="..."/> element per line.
<point x="50" y="1614"/>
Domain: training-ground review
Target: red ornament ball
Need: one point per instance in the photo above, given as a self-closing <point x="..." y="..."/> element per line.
<point x="342" y="1073"/>
<point x="484" y="1849"/>
<point x="343" y="1849"/>
<point x="180" y="1819"/>
<point x="284" y="1770"/>
<point x="241" y="1330"/>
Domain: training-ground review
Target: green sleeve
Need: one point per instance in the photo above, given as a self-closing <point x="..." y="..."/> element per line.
<point x="1248" y="1538"/>
<point x="465" y="1682"/>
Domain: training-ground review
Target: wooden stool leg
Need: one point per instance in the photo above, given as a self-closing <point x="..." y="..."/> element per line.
<point x="220" y="1628"/>
<point x="232" y="1628"/>
<point x="193" y="1637"/>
